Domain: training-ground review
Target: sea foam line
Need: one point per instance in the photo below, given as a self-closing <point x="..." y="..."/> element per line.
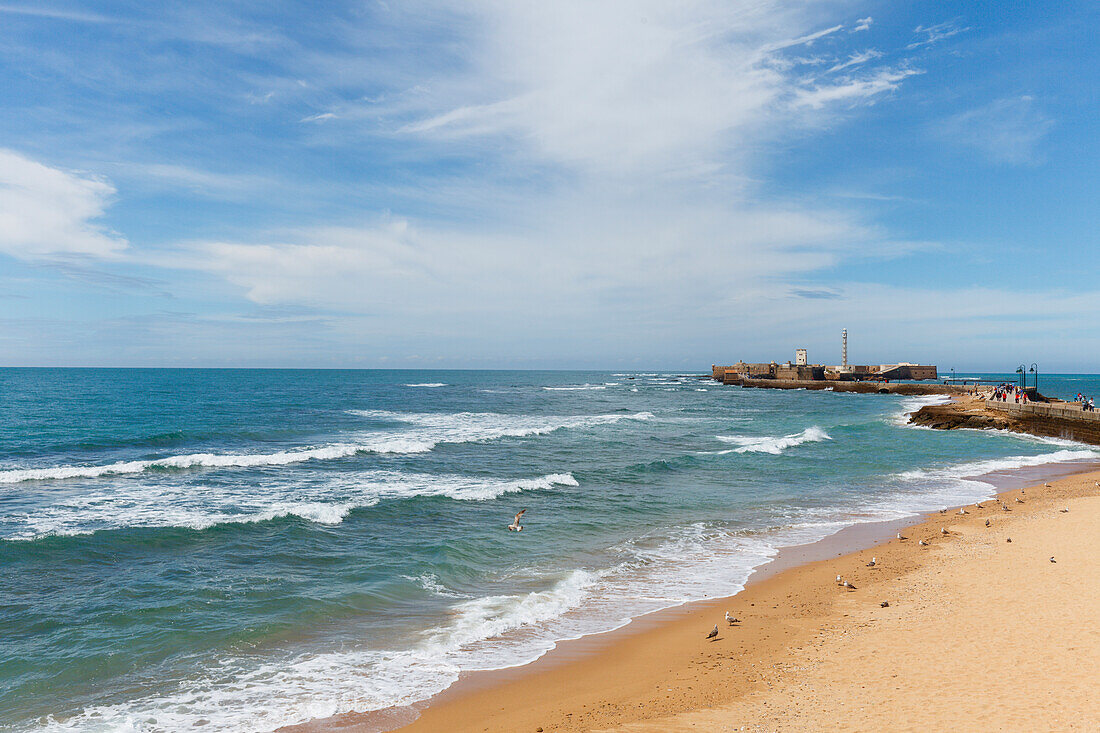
<point x="426" y="431"/>
<point x="138" y="505"/>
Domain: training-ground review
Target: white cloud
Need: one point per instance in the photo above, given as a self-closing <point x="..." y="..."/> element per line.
<point x="935" y="33"/>
<point x="863" y="24"/>
<point x="1007" y="131"/>
<point x="856" y="59"/>
<point x="48" y="212"/>
<point x="854" y="90"/>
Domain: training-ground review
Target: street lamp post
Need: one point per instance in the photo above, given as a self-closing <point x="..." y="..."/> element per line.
<point x="1022" y="371"/>
<point x="1035" y="371"/>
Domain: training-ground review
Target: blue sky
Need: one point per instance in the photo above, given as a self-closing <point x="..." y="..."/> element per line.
<point x="548" y="185"/>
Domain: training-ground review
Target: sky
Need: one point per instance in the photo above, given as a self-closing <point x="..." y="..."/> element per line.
<point x="600" y="184"/>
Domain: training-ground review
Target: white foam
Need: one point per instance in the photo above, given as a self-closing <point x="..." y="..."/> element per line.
<point x="427" y="384"/>
<point x="426" y="432"/>
<point x="978" y="468"/>
<point x="576" y="388"/>
<point x="909" y="405"/>
<point x="773" y="445"/>
<point x="201" y="507"/>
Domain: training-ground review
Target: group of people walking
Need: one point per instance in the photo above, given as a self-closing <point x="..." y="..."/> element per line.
<point x="1087" y="403"/>
<point x="1009" y="392"/>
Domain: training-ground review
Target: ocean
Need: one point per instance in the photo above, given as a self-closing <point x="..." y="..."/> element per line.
<point x="228" y="550"/>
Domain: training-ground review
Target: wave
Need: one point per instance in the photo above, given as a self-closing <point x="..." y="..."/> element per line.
<point x="979" y="468"/>
<point x="909" y="405"/>
<point x="773" y="445"/>
<point x="427" y="384"/>
<point x="428" y="430"/>
<point x="201" y="507"/>
<point x="576" y="388"/>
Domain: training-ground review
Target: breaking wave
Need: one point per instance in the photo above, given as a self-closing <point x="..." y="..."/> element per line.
<point x="773" y="445"/>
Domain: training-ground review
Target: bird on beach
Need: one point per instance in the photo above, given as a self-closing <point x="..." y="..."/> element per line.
<point x="1046" y="485"/>
<point x="943" y="511"/>
<point x="978" y="504"/>
<point x="839" y="580"/>
<point x="1064" y="510"/>
<point x="849" y="586"/>
<point x="987" y="522"/>
<point x="713" y="633"/>
<point x="1019" y="500"/>
<point x="963" y="511"/>
<point x="731" y="620"/>
<point x="872" y="563"/>
<point x="515" y="526"/>
<point x="885" y="604"/>
<point x="902" y="538"/>
<point x="1005" y="507"/>
<point x="1052" y="559"/>
<point x="922" y="543"/>
<point x="943" y="530"/>
<point x="1008" y="539"/>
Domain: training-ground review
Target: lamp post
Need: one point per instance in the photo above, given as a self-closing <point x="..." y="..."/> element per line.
<point x="952" y="375"/>
<point x="1022" y="371"/>
<point x="1035" y="371"/>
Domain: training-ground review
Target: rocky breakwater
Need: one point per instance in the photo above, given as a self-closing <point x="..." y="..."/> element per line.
<point x="1052" y="421"/>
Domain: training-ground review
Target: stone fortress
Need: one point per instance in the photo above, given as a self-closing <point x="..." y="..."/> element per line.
<point x="802" y="371"/>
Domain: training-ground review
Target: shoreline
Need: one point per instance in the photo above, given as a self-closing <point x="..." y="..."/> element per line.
<point x="470" y="703"/>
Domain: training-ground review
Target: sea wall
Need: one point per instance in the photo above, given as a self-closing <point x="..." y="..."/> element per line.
<point x="1053" y="421"/>
<point x="902" y="388"/>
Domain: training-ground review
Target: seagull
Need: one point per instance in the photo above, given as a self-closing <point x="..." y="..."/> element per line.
<point x="839" y="580"/>
<point x="849" y="586"/>
<point x="963" y="511"/>
<point x="1005" y="507"/>
<point x="1046" y="485"/>
<point x="943" y="530"/>
<point x="1064" y="510"/>
<point x="731" y="620"/>
<point x="978" y="504"/>
<point x="1052" y="559"/>
<point x="1008" y="539"/>
<point x="885" y="604"/>
<point x="900" y="537"/>
<point x="713" y="633"/>
<point x="872" y="563"/>
<point x="1019" y="500"/>
<point x="515" y="526"/>
<point x="943" y="511"/>
<point x="987" y="522"/>
<point x="922" y="543"/>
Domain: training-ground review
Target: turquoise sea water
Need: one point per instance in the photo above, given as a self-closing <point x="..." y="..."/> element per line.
<point x="237" y="550"/>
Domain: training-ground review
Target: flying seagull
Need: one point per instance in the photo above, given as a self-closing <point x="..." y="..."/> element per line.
<point x="713" y="633"/>
<point x="515" y="526"/>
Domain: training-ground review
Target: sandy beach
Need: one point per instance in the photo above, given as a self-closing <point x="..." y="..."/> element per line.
<point x="981" y="633"/>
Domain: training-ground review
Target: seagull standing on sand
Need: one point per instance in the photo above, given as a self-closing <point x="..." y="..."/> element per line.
<point x="922" y="543"/>
<point x="900" y="537"/>
<point x="987" y="522"/>
<point x="872" y="563"/>
<point x="943" y="530"/>
<point x="713" y="633"/>
<point x="963" y="511"/>
<point x="839" y="580"/>
<point x="1052" y="559"/>
<point x="731" y="620"/>
<point x="1019" y="500"/>
<point x="849" y="586"/>
<point x="1064" y="510"/>
<point x="515" y="526"/>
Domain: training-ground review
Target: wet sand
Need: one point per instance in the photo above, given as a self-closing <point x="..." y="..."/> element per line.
<point x="980" y="634"/>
